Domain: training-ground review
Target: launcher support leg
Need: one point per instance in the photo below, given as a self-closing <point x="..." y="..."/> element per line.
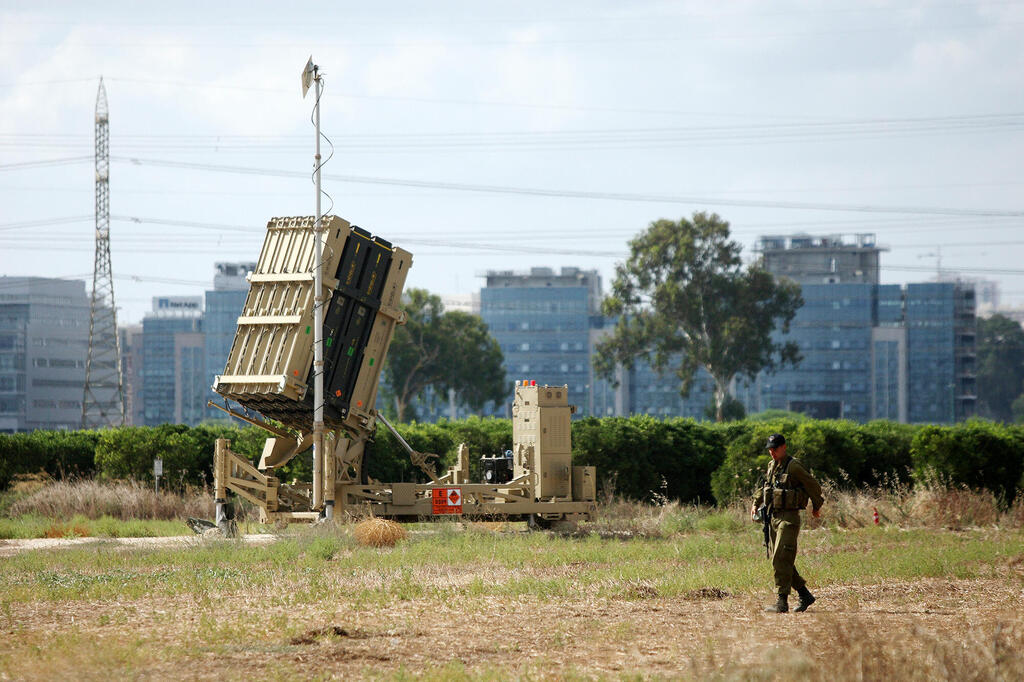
<point x="224" y="512"/>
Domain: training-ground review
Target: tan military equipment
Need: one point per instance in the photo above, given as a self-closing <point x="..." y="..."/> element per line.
<point x="269" y="371"/>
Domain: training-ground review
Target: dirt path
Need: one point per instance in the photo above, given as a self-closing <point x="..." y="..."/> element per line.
<point x="12" y="547"/>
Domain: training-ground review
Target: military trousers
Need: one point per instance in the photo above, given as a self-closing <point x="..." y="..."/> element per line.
<point x="784" y="531"/>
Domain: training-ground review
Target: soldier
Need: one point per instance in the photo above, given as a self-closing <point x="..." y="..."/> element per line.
<point x="787" y="489"/>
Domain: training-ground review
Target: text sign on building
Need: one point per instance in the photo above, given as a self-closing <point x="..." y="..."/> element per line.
<point x="446" y="500"/>
<point x="177" y="306"/>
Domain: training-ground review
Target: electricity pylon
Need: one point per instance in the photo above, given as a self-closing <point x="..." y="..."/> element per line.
<point x="103" y="400"/>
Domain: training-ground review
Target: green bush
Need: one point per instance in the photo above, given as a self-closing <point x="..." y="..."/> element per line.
<point x="57" y="453"/>
<point x="977" y="454"/>
<point x="644" y="457"/>
<point x="847" y="453"/>
<point x="641" y="457"/>
<point x="187" y="453"/>
<point x="386" y="460"/>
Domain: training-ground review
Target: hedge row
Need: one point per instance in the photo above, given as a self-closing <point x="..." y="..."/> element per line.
<point x="640" y="457"/>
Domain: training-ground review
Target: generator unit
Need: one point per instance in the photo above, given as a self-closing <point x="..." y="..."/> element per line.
<point x="269" y="371"/>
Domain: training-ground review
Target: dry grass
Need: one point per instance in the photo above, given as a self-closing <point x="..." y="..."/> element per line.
<point x="124" y="500"/>
<point x="375" y="532"/>
<point x="923" y="506"/>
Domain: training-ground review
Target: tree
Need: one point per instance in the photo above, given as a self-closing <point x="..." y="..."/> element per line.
<point x="1000" y="366"/>
<point x="451" y="350"/>
<point x="733" y="410"/>
<point x="684" y="298"/>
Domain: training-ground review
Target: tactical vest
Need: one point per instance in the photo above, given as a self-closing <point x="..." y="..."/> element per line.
<point x="787" y="495"/>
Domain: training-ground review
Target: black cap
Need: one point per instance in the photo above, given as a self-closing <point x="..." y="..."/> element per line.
<point x="775" y="440"/>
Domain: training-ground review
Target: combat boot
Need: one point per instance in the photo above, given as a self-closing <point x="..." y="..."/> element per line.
<point x="806" y="599"/>
<point x="781" y="606"/>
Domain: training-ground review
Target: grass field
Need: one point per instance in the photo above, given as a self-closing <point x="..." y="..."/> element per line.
<point x="491" y="601"/>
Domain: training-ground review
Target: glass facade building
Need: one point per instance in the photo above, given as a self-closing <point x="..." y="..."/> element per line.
<point x="224" y="305"/>
<point x="870" y="351"/>
<point x="542" y="320"/>
<point x="877" y="352"/>
<point x="940" y="342"/>
<point x="548" y="325"/>
<point x="44" y="341"/>
<point x="173" y="362"/>
<point x="833" y="331"/>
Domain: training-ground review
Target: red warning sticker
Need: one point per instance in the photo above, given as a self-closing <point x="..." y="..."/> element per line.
<point x="446" y="500"/>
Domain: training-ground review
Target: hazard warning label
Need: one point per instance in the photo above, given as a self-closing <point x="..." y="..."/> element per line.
<point x="446" y="500"/>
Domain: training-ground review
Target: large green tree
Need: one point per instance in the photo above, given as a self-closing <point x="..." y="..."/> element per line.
<point x="683" y="298"/>
<point x="1000" y="366"/>
<point x="446" y="350"/>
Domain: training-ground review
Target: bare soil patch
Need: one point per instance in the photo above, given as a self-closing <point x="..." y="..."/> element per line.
<point x="926" y="629"/>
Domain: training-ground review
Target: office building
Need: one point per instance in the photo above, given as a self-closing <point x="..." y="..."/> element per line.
<point x="549" y="324"/>
<point x="174" y="389"/>
<point x="870" y="351"/>
<point x="44" y="342"/>
<point x="224" y="305"/>
<point x="131" y="373"/>
<point x="543" y="320"/>
<point x="941" y="329"/>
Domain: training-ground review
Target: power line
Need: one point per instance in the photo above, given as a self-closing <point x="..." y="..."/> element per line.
<point x="570" y="194"/>
<point x="44" y="162"/>
<point x="596" y="139"/>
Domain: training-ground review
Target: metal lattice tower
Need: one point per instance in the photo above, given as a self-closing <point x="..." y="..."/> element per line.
<point x="103" y="402"/>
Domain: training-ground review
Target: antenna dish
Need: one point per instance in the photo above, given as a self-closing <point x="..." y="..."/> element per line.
<point x="307" y="75"/>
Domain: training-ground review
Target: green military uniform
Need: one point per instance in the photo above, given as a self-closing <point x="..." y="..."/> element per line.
<point x="787" y="488"/>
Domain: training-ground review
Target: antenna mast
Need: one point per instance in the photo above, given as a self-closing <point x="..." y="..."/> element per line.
<point x="103" y="400"/>
<point x="323" y="492"/>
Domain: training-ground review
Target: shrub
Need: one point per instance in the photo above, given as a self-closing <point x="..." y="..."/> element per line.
<point x="57" y="453"/>
<point x="647" y="457"/>
<point x="977" y="454"/>
<point x="848" y="453"/>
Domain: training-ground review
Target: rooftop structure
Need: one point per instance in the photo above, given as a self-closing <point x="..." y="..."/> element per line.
<point x="829" y="259"/>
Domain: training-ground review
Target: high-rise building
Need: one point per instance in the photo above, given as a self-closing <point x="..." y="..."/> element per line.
<point x="834" y="379"/>
<point x="131" y="370"/>
<point x="224" y="305"/>
<point x="941" y="331"/>
<point x="543" y="320"/>
<point x="870" y="351"/>
<point x="44" y="341"/>
<point x="548" y="325"/>
<point x="174" y="351"/>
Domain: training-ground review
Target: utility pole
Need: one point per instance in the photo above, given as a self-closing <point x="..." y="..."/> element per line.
<point x="103" y="401"/>
<point x="312" y="74"/>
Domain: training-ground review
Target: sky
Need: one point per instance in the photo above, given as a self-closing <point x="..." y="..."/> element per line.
<point x="485" y="136"/>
